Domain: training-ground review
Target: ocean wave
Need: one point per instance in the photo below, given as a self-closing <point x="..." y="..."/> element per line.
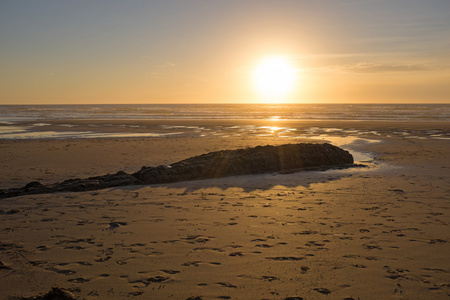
<point x="382" y="112"/>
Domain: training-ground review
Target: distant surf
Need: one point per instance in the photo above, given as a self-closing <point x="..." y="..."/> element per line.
<point x="370" y="112"/>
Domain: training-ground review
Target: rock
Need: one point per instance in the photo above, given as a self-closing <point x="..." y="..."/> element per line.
<point x="55" y="294"/>
<point x="33" y="184"/>
<point x="114" y="225"/>
<point x="261" y="159"/>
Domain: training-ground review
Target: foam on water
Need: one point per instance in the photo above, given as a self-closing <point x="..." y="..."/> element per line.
<point x="25" y="135"/>
<point x="11" y="130"/>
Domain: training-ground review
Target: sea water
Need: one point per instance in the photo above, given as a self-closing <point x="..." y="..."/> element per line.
<point x="386" y="112"/>
<point x="24" y="121"/>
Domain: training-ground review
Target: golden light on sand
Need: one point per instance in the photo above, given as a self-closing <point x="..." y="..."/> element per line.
<point x="275" y="77"/>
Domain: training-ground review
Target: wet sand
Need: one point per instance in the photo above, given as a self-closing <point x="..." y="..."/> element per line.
<point x="374" y="233"/>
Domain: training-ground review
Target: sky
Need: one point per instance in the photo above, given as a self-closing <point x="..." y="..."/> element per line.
<point x="205" y="51"/>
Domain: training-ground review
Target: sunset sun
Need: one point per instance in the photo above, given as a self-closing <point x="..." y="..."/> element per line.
<point x="275" y="77"/>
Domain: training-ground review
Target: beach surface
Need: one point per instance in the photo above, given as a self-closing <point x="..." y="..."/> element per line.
<point x="378" y="232"/>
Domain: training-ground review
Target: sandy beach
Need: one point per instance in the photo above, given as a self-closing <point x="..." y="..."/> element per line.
<point x="211" y="150"/>
<point x="379" y="232"/>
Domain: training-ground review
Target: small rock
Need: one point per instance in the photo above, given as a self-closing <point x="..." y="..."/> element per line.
<point x="114" y="225"/>
<point x="55" y="294"/>
<point x="33" y="184"/>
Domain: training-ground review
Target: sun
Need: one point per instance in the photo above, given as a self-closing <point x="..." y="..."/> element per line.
<point x="275" y="77"/>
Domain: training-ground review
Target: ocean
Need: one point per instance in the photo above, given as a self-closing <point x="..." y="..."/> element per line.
<point x="392" y="112"/>
<point x="33" y="121"/>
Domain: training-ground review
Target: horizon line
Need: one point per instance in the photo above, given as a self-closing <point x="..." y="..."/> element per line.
<point x="230" y="103"/>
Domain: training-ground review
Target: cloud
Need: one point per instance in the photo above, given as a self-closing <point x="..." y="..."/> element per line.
<point x="380" y="68"/>
<point x="168" y="64"/>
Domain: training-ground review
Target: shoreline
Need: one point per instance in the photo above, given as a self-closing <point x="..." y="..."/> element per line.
<point x="81" y="155"/>
<point x="72" y="129"/>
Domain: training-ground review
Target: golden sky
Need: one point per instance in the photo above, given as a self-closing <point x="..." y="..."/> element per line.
<point x="207" y="51"/>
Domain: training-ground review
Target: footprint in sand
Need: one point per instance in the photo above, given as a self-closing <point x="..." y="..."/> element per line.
<point x="170" y="271"/>
<point x="371" y="208"/>
<point x="304" y="269"/>
<point x="269" y="278"/>
<point x="148" y="281"/>
<point x="49" y="220"/>
<point x="359" y="266"/>
<point x="208" y="248"/>
<point x="227" y="285"/>
<point x="89" y="241"/>
<point x="155" y="253"/>
<point x="158" y="279"/>
<point x="103" y="259"/>
<point x="258" y="240"/>
<point x="192" y="264"/>
<point x="197" y="263"/>
<point x="74" y="247"/>
<point x="395" y="273"/>
<point x="371" y="258"/>
<point x="351" y="256"/>
<point x="285" y="258"/>
<point x="78" y="280"/>
<point x="323" y="291"/>
<point x="398" y="290"/>
<point x="122" y="262"/>
<point x="435" y="270"/>
<point x="263" y="246"/>
<point x="371" y="247"/>
<point x="193" y="239"/>
<point x="305" y="232"/>
<point x="80" y="263"/>
<point x="64" y="272"/>
<point x="315" y="244"/>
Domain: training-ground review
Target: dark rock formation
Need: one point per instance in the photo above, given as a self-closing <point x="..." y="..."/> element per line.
<point x="261" y="159"/>
<point x="74" y="185"/>
<point x="55" y="294"/>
